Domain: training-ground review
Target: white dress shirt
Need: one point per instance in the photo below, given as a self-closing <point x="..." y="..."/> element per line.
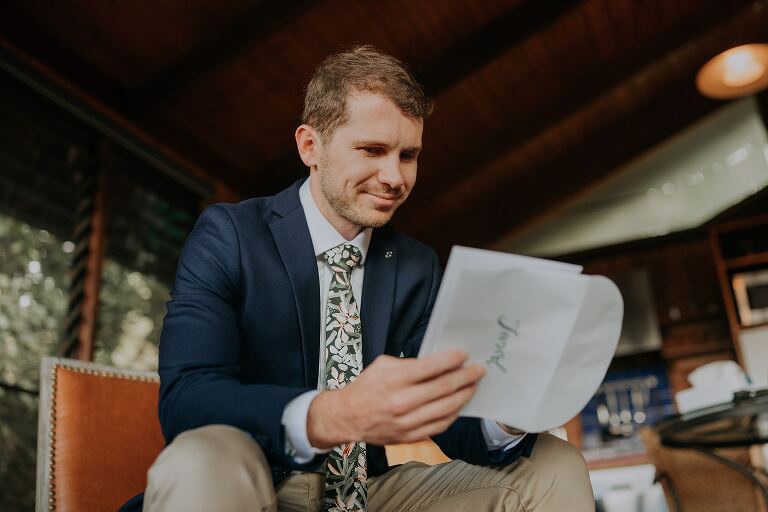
<point x="324" y="237"/>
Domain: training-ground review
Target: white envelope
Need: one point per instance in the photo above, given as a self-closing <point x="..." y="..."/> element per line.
<point x="545" y="333"/>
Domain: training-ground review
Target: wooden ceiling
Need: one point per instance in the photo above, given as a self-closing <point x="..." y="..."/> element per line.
<point x="535" y="101"/>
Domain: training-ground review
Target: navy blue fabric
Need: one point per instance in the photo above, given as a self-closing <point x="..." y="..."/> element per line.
<point x="241" y="336"/>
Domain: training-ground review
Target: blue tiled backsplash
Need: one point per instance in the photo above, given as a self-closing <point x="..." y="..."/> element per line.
<point x="627" y="400"/>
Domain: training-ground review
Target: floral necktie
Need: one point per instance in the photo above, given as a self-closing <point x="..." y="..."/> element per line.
<point x="345" y="468"/>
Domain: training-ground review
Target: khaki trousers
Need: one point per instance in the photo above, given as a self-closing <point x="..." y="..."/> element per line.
<point x="221" y="468"/>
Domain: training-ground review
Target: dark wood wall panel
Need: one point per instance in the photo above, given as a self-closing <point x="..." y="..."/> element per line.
<point x="689" y="304"/>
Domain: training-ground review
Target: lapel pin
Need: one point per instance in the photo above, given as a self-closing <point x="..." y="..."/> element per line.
<point x="388" y="254"/>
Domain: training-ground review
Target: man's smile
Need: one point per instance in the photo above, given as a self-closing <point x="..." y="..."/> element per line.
<point x="382" y="199"/>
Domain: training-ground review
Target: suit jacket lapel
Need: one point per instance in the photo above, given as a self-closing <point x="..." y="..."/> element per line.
<point x="378" y="293"/>
<point x="294" y="243"/>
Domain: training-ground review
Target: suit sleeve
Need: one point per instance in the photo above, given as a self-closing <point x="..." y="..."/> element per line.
<point x="464" y="438"/>
<point x="200" y="346"/>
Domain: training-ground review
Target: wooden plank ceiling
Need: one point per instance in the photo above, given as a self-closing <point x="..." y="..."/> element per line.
<point x="535" y="101"/>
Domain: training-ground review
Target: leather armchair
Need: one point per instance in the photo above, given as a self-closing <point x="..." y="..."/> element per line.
<point x="98" y="434"/>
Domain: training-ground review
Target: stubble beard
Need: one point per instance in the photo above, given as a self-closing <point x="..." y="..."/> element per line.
<point x="344" y="207"/>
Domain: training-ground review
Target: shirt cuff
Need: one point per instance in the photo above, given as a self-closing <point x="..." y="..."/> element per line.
<point x="497" y="439"/>
<point x="295" y="422"/>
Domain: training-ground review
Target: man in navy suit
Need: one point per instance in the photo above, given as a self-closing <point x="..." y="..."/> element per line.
<point x="287" y="354"/>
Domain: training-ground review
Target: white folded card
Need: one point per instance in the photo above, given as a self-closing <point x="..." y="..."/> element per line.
<point x="545" y="333"/>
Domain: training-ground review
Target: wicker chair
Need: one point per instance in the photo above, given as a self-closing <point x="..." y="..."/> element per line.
<point x="694" y="482"/>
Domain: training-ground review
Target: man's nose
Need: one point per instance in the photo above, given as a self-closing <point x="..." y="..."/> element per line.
<point x="390" y="173"/>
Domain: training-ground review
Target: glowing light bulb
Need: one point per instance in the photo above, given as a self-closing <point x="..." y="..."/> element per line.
<point x="741" y="67"/>
<point x="734" y="73"/>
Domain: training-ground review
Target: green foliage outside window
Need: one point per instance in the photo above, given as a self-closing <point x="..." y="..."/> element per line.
<point x="33" y="306"/>
<point x="45" y="155"/>
<point x="33" y="303"/>
<point x="131" y="311"/>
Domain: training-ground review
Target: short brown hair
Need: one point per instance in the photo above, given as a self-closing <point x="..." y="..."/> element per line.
<point x="362" y="68"/>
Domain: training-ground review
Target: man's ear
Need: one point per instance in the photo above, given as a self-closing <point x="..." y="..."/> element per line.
<point x="309" y="145"/>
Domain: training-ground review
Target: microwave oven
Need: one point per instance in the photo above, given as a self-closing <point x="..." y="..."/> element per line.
<point x="750" y="289"/>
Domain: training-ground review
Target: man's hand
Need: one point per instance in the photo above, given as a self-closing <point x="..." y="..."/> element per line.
<point x="395" y="400"/>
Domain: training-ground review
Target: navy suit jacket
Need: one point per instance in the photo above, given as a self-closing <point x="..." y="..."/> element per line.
<point x="241" y="336"/>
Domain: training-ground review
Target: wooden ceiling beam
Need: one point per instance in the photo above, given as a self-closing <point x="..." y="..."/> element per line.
<point x="507" y="205"/>
<point x="19" y="33"/>
<point x="578" y="91"/>
<point x="593" y="83"/>
<point x="518" y="188"/>
<point x="493" y="40"/>
<point x="258" y="23"/>
<point x="157" y="153"/>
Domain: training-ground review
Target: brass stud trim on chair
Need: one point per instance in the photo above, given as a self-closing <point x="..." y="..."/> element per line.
<point x="86" y="368"/>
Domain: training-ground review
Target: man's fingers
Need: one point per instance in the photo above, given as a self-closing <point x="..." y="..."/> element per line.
<point x="444" y="385"/>
<point x="419" y="397"/>
<point x="432" y="365"/>
<point x="443" y="407"/>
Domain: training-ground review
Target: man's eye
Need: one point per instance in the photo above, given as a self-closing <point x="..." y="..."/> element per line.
<point x="407" y="156"/>
<point x="372" y="150"/>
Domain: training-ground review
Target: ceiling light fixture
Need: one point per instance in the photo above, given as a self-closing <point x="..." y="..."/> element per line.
<point x="738" y="72"/>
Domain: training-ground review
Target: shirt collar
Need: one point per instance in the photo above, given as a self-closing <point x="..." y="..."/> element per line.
<point x="324" y="235"/>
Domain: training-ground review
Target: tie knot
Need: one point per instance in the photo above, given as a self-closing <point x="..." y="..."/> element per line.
<point x="343" y="257"/>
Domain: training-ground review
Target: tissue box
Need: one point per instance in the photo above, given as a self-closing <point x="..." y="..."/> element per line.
<point x="713" y="383"/>
<point x="699" y="397"/>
